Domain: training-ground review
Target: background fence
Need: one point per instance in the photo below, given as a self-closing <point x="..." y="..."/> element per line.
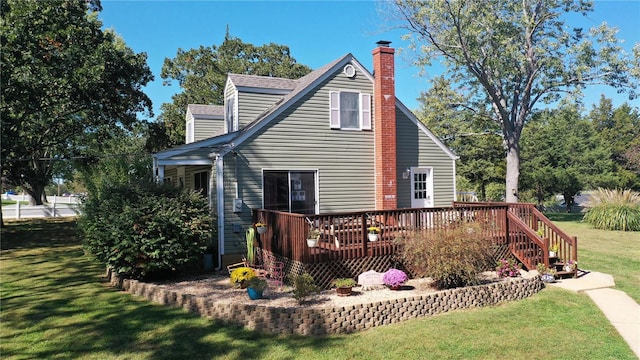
<point x="58" y="206"/>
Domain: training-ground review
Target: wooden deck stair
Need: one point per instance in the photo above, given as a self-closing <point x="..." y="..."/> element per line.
<point x="530" y="236"/>
<point x="535" y="235"/>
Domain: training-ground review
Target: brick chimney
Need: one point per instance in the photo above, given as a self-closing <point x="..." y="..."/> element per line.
<point x="384" y="124"/>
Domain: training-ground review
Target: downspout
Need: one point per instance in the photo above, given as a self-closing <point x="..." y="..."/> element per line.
<point x="219" y="163"/>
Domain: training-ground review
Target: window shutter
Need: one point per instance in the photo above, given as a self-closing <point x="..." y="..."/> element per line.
<point x="334" y="109"/>
<point x="365" y="111"/>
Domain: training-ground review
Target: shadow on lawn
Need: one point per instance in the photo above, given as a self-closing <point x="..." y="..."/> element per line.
<point x="566" y="217"/>
<point x="29" y="234"/>
<point x="54" y="291"/>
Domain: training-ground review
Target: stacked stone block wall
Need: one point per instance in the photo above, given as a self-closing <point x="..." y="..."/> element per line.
<point x="322" y="321"/>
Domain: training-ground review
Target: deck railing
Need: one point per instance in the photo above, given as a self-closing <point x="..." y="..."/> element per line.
<point x="345" y="235"/>
<point x="532" y="235"/>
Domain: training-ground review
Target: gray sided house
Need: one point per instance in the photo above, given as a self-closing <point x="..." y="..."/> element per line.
<point x="335" y="140"/>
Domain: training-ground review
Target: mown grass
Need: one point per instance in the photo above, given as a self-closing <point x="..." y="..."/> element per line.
<point x="612" y="252"/>
<point x="54" y="305"/>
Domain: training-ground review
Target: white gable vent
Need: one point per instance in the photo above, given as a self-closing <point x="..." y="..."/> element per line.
<point x="349" y="70"/>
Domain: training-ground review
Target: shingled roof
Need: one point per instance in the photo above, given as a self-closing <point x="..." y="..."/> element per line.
<point x="262" y="82"/>
<point x="206" y="110"/>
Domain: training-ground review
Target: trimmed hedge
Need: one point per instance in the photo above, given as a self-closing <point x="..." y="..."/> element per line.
<point x="145" y="229"/>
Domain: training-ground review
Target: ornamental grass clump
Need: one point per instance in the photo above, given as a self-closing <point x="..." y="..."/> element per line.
<point x="452" y="256"/>
<point x="614" y="210"/>
<point x="394" y="277"/>
<point x="507" y="268"/>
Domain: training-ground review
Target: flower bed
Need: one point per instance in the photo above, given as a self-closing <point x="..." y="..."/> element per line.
<point x="314" y="320"/>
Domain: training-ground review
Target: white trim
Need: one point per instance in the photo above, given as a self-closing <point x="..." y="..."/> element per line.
<point x="219" y="163"/>
<point x="334" y="109"/>
<point x="455" y="185"/>
<point x="365" y="111"/>
<point x="234" y="112"/>
<point x="427" y="202"/>
<point x="185" y="162"/>
<point x="204" y="143"/>
<point x="190" y="131"/>
<point x="349" y="70"/>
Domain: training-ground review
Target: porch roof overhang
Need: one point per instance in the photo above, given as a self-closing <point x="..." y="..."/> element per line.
<point x="196" y="153"/>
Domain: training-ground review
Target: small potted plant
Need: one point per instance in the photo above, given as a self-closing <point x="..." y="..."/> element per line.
<point x="394" y="278"/>
<point x="508" y="268"/>
<point x="570" y="266"/>
<point x="261" y="227"/>
<point x="548" y="275"/>
<point x="344" y="286"/>
<point x="313" y="237"/>
<point x="256" y="287"/>
<point x="240" y="276"/>
<point x="553" y="250"/>
<point x="373" y="232"/>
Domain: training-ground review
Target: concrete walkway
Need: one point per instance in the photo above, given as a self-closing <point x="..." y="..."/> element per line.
<point x="617" y="306"/>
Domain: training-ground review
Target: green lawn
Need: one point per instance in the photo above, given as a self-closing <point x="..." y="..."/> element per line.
<point x="612" y="252"/>
<point x="55" y="305"/>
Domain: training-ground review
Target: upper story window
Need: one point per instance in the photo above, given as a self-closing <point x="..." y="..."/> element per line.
<point x="350" y="110"/>
<point x="230" y="122"/>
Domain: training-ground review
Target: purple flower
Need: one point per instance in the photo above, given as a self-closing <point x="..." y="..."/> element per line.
<point x="394" y="277"/>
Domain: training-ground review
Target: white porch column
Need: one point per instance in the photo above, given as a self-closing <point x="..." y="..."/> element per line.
<point x="160" y="177"/>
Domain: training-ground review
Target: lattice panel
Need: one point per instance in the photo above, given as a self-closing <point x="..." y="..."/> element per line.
<point x="502" y="252"/>
<point x="324" y="273"/>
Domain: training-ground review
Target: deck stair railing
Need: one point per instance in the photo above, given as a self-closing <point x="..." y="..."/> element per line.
<point x="531" y="236"/>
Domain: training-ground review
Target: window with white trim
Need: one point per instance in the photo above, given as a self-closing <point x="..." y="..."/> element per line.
<point x="201" y="182"/>
<point x="349" y="110"/>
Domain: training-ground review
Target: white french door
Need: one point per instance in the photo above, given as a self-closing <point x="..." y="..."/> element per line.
<point x="421" y="187"/>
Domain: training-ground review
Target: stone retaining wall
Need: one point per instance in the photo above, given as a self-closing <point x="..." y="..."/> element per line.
<point x="315" y="321"/>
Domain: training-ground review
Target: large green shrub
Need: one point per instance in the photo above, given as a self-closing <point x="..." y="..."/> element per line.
<point x="452" y="257"/>
<point x="614" y="210"/>
<point x="145" y="229"/>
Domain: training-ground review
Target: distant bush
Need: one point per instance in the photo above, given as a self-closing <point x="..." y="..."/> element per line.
<point x="452" y="257"/>
<point x="614" y="210"/>
<point x="145" y="229"/>
<point x="495" y="191"/>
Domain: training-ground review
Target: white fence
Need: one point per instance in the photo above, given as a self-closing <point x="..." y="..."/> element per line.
<point x="58" y="206"/>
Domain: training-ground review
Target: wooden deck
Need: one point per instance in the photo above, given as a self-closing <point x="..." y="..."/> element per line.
<point x="344" y="235"/>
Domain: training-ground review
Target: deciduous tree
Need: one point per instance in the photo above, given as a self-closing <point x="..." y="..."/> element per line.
<point x="511" y="55"/>
<point x="202" y="73"/>
<point x="66" y="86"/>
<point x="470" y="134"/>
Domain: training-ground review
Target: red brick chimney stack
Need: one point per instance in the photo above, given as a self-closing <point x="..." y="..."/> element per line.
<point x="384" y="124"/>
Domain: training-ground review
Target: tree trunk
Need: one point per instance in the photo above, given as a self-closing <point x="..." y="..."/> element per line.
<point x="568" y="202"/>
<point x="513" y="174"/>
<point x="35" y="195"/>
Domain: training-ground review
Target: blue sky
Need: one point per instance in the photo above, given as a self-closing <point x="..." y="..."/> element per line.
<point x="316" y="32"/>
